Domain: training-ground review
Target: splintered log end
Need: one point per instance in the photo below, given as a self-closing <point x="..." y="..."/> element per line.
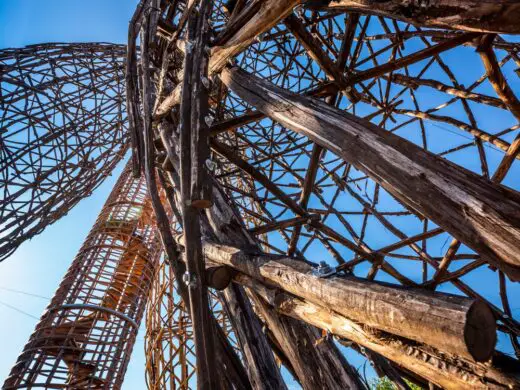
<point x="219" y="277"/>
<point x="480" y="331"/>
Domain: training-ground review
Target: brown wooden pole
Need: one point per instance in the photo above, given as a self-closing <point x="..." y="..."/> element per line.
<point x="224" y="224"/>
<point x="193" y="152"/>
<point x="261" y="367"/>
<point x="483" y="215"/>
<point x="295" y="339"/>
<point x="256" y="18"/>
<point x="499" y="16"/>
<point x="440" y="369"/>
<point x="263" y="372"/>
<point x="459" y="325"/>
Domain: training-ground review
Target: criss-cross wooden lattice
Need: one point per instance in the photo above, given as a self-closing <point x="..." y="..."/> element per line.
<point x="344" y="172"/>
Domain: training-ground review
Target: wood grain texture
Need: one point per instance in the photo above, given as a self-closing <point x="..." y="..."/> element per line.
<point x="450" y="323"/>
<point x="499" y="16"/>
<point x="483" y="215"/>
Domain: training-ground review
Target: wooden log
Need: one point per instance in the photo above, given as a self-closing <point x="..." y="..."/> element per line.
<point x="499" y="16"/>
<point x="263" y="372"/>
<point x="261" y="367"/>
<point x="454" y="324"/>
<point x="443" y="370"/>
<point x="483" y="215"/>
<point x="267" y="14"/>
<point x="194" y="150"/>
<point x="219" y="277"/>
<point x="223" y="223"/>
<point x="495" y="75"/>
<point x="303" y="347"/>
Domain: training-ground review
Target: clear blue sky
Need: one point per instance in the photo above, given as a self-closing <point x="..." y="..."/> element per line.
<point x="38" y="266"/>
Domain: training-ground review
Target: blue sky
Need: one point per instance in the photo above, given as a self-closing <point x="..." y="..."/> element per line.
<point x="38" y="266"/>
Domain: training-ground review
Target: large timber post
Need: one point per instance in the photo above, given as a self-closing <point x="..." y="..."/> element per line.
<point x="483" y="215"/>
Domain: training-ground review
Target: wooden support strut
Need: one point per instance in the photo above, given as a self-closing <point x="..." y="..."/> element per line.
<point x="454" y="324"/>
<point x="499" y="16"/>
<point x="483" y="215"/>
<point x="440" y="369"/>
<point x="261" y="367"/>
<point x="326" y="362"/>
<point x="194" y="150"/>
<point x="268" y="13"/>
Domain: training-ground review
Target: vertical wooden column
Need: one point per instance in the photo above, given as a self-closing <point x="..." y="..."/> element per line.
<point x="85" y="337"/>
<point x="194" y="151"/>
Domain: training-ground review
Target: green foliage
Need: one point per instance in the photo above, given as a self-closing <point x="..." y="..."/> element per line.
<point x="386" y="384"/>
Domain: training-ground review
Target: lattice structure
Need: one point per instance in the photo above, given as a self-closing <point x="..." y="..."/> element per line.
<point x="324" y="155"/>
<point x="170" y="354"/>
<point x="436" y="89"/>
<point x="62" y="123"/>
<point x="85" y="337"/>
<point x="169" y="349"/>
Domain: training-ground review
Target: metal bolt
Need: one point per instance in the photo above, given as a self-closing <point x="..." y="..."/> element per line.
<point x="205" y="82"/>
<point x="210" y="164"/>
<point x="209" y="120"/>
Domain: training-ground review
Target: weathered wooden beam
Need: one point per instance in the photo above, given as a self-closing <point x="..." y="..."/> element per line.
<point x="446" y="371"/>
<point x="259" y="359"/>
<point x="223" y="223"/>
<point x="495" y="75"/>
<point x="450" y="323"/>
<point x="234" y="123"/>
<point x="194" y="150"/>
<point x="412" y="58"/>
<point x="499" y="16"/>
<point x="284" y="224"/>
<point x="414" y="82"/>
<point x="267" y="13"/>
<point x="303" y="347"/>
<point x="263" y="373"/>
<point x="316" y="52"/>
<point x="483" y="215"/>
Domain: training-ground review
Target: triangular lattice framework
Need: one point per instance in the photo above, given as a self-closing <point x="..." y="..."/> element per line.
<point x="449" y="92"/>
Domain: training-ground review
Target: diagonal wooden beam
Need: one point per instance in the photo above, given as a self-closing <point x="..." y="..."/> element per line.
<point x="267" y="14"/>
<point x="308" y="185"/>
<point x="499" y="16"/>
<point x="483" y="215"/>
<point x="458" y="325"/>
<point x="440" y="369"/>
<point x="325" y="362"/>
<point x="194" y="150"/>
<point x="412" y="58"/>
<point x="316" y="52"/>
<point x="296" y="208"/>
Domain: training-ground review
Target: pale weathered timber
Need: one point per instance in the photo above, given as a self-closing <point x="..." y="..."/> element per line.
<point x="303" y="344"/>
<point x="263" y="373"/>
<point x="454" y="324"/>
<point x="224" y="224"/>
<point x="267" y="13"/>
<point x="444" y="370"/>
<point x="483" y="215"/>
<point x="499" y="16"/>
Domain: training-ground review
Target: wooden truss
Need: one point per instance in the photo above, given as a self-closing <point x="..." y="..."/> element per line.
<point x="344" y="174"/>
